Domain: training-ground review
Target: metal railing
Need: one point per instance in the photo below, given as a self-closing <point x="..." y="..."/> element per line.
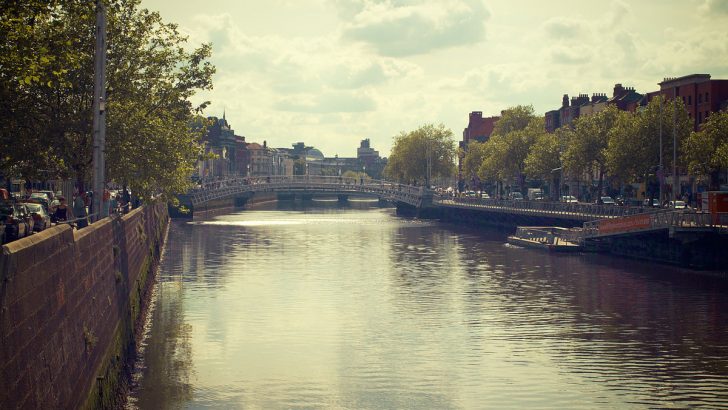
<point x="229" y="187"/>
<point x="659" y="220"/>
<point x="576" y="211"/>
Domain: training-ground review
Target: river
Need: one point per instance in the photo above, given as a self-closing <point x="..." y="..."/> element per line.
<point x="355" y="308"/>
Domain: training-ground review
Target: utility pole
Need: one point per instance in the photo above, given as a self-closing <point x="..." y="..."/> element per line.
<point x="661" y="178"/>
<point x="675" y="182"/>
<point x="99" y="110"/>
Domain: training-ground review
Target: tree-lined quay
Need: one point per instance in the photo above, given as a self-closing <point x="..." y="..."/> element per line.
<point x="620" y="146"/>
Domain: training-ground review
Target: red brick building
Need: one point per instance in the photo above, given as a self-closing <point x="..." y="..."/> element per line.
<point x="699" y="93"/>
<point x="479" y="128"/>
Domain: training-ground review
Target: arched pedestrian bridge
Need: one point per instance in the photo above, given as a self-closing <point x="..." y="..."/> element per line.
<point x="308" y="185"/>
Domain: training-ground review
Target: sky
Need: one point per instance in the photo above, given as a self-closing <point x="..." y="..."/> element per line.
<point x="333" y="72"/>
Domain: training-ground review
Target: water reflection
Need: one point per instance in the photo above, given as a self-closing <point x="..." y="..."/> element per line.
<point x="348" y="308"/>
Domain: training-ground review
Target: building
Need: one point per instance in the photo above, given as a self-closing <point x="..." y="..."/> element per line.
<point x="700" y="94"/>
<point x="597" y="103"/>
<point x="626" y="98"/>
<point x="479" y="128"/>
<point x="369" y="160"/>
<point x="266" y="161"/>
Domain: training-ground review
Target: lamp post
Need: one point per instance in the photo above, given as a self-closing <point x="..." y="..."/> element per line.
<point x="661" y="175"/>
<point x="675" y="182"/>
<point x="99" y="114"/>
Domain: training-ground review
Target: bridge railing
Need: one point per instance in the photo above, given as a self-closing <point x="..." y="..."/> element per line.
<point x="546" y="208"/>
<point x="226" y="187"/>
<point x="657" y="220"/>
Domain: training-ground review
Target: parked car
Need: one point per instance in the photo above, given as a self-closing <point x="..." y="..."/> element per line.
<point x="51" y="194"/>
<point x="41" y="198"/>
<point x="470" y="194"/>
<point x="515" y="196"/>
<point x="607" y="200"/>
<point x="484" y="195"/>
<point x="41" y="219"/>
<point x="655" y="202"/>
<point x="569" y="199"/>
<point x="17" y="220"/>
<point x="677" y="205"/>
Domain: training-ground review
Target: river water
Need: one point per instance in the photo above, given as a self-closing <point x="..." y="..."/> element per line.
<point x="355" y="308"/>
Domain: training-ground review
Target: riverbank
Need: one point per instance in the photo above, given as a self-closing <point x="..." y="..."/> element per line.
<point x="70" y="304"/>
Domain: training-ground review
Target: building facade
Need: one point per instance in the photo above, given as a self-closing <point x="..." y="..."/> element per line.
<point x="700" y="94"/>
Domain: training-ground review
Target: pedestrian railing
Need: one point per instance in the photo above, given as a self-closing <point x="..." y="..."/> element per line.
<point x="665" y="219"/>
<point x="230" y="187"/>
<point x="575" y="211"/>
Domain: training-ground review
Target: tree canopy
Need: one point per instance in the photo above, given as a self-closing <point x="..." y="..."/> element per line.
<point x="706" y="151"/>
<point x="46" y="85"/>
<point x="413" y="150"/>
<point x="507" y="148"/>
<point x="587" y="149"/>
<point x="634" y="144"/>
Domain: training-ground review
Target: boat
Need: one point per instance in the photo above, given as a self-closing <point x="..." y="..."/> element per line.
<point x="549" y="238"/>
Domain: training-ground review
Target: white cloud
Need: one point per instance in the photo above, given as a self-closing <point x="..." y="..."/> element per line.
<point x="715" y="6"/>
<point x="329" y="102"/>
<point x="404" y="28"/>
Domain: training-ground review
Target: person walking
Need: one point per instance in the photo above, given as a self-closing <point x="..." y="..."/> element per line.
<point x="62" y="211"/>
<point x="79" y="211"/>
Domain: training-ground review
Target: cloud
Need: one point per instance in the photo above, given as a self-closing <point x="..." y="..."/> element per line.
<point x="719" y="7"/>
<point x="331" y="102"/>
<point x="561" y="28"/>
<point x="570" y="55"/>
<point x="411" y="27"/>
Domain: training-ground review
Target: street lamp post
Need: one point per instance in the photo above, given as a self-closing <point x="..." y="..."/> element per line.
<point x="99" y="114"/>
<point x="675" y="182"/>
<point x="661" y="175"/>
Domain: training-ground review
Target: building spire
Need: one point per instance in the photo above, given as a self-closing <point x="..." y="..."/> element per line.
<point x="223" y="114"/>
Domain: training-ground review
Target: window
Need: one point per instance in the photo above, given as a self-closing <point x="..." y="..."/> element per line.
<point x="690" y="100"/>
<point x="700" y="117"/>
<point x="700" y="98"/>
<point x="707" y="95"/>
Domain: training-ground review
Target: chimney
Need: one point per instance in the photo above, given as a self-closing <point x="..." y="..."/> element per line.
<point x="565" y="101"/>
<point x="265" y="144"/>
<point x="618" y="90"/>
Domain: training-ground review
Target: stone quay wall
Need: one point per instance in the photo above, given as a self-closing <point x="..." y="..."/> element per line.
<point x="70" y="304"/>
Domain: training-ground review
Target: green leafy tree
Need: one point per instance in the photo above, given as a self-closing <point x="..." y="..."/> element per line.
<point x="473" y="158"/>
<point x="587" y="149"/>
<point x="706" y="151"/>
<point x="506" y="150"/>
<point x="514" y="119"/>
<point x="151" y="75"/>
<point x="633" y="151"/>
<point x="413" y="150"/>
<point x="544" y="158"/>
<point x="494" y="167"/>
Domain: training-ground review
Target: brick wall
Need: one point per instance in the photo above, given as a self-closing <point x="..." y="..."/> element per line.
<point x="69" y="304"/>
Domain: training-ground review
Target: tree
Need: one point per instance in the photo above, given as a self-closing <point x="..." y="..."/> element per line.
<point x="513" y="135"/>
<point x="474" y="157"/>
<point x="706" y="151"/>
<point x="633" y="151"/>
<point x="412" y="151"/>
<point x="151" y="76"/>
<point x="544" y="158"/>
<point x="514" y="119"/>
<point x="587" y="149"/>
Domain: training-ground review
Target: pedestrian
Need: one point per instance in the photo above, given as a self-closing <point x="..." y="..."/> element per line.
<point x="61" y="213"/>
<point x="79" y="211"/>
<point x="113" y="204"/>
